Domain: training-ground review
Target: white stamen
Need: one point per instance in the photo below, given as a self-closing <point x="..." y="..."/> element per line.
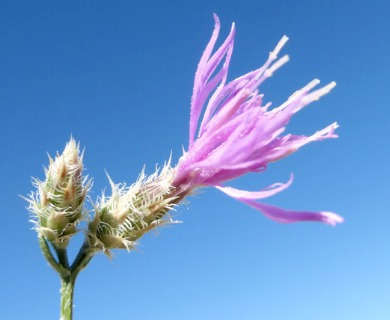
<point x="315" y="95"/>
<point x="283" y="60"/>
<point x="278" y="47"/>
<point x="311" y="85"/>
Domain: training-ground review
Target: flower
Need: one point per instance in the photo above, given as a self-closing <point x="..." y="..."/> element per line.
<point x="238" y="134"/>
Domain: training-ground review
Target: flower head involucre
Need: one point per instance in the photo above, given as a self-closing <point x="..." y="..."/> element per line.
<point x="58" y="203"/>
<point x="130" y="212"/>
<point x="238" y="134"/>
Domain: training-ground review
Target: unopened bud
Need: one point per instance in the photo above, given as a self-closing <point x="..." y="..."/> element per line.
<point x="58" y="204"/>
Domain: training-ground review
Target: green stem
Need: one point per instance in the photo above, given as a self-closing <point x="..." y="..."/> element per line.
<point x="63" y="271"/>
<point x="68" y="274"/>
<point x="62" y="257"/>
<point x="82" y="259"/>
<point x="67" y="289"/>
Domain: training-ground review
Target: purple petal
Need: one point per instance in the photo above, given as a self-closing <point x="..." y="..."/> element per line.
<point x="202" y="85"/>
<point x="252" y="195"/>
<point x="276" y="213"/>
<point x="290" y="216"/>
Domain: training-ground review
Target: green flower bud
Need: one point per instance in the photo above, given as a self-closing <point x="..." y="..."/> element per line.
<point x="58" y="203"/>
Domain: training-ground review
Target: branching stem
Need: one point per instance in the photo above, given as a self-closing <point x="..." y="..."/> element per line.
<point x="67" y="273"/>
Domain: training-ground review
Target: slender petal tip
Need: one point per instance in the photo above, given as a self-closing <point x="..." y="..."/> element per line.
<point x="332" y="218"/>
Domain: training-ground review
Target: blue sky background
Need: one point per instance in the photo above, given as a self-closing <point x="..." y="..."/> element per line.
<point x="118" y="76"/>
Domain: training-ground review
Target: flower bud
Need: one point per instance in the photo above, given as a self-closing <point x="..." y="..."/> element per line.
<point x="58" y="203"/>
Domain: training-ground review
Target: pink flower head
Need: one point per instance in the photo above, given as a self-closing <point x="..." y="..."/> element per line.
<point x="237" y="134"/>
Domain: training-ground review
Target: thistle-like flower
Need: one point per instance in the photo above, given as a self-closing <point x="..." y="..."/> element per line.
<point x="238" y="134"/>
<point x="57" y="205"/>
<point x="130" y="212"/>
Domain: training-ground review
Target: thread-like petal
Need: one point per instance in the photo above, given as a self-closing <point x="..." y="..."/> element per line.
<point x="255" y="195"/>
<point x="290" y="216"/>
